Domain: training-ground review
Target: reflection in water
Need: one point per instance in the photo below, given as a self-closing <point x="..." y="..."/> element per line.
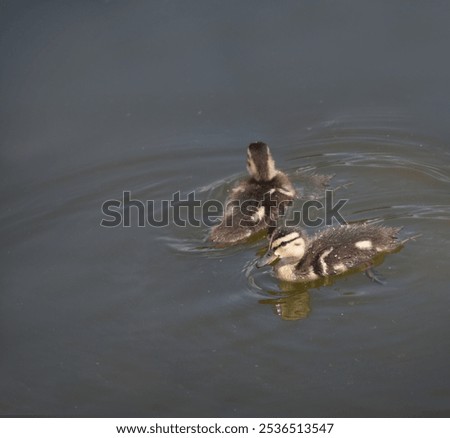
<point x="291" y="307"/>
<point x="294" y="303"/>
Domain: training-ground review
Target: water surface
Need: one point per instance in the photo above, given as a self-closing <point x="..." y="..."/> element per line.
<point x="160" y="97"/>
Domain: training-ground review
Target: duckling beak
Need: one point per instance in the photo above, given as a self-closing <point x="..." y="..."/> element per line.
<point x="266" y="259"/>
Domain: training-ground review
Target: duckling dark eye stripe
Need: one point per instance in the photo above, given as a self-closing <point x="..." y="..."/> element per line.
<point x="285" y="242"/>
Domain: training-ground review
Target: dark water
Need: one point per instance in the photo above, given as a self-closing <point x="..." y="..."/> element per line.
<point x="158" y="97"/>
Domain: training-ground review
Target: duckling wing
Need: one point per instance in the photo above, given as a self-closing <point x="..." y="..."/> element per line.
<point x="281" y="188"/>
<point x="256" y="201"/>
<point x="239" y="223"/>
<point x="339" y="249"/>
<point x="278" y="196"/>
<point x="244" y="214"/>
<point x="253" y="206"/>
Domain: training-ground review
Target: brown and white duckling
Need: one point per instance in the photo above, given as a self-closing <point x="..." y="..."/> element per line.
<point x="255" y="203"/>
<point x="330" y="252"/>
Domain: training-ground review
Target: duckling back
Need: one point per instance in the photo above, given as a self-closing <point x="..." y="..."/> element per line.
<point x="256" y="203"/>
<point x="336" y="250"/>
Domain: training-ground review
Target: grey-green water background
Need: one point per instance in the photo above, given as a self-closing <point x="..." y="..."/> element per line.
<point x="158" y="96"/>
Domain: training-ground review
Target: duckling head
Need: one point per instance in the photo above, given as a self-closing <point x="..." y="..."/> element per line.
<point x="260" y="164"/>
<point x="285" y="244"/>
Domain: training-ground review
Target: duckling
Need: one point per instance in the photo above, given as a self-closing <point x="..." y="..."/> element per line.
<point x="330" y="252"/>
<point x="255" y="203"/>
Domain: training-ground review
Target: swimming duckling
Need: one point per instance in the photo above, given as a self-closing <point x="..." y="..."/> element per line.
<point x="330" y="252"/>
<point x="256" y="203"/>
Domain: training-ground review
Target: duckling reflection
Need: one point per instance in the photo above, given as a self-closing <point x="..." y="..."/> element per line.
<point x="266" y="195"/>
<point x="293" y="305"/>
<point x="295" y="302"/>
